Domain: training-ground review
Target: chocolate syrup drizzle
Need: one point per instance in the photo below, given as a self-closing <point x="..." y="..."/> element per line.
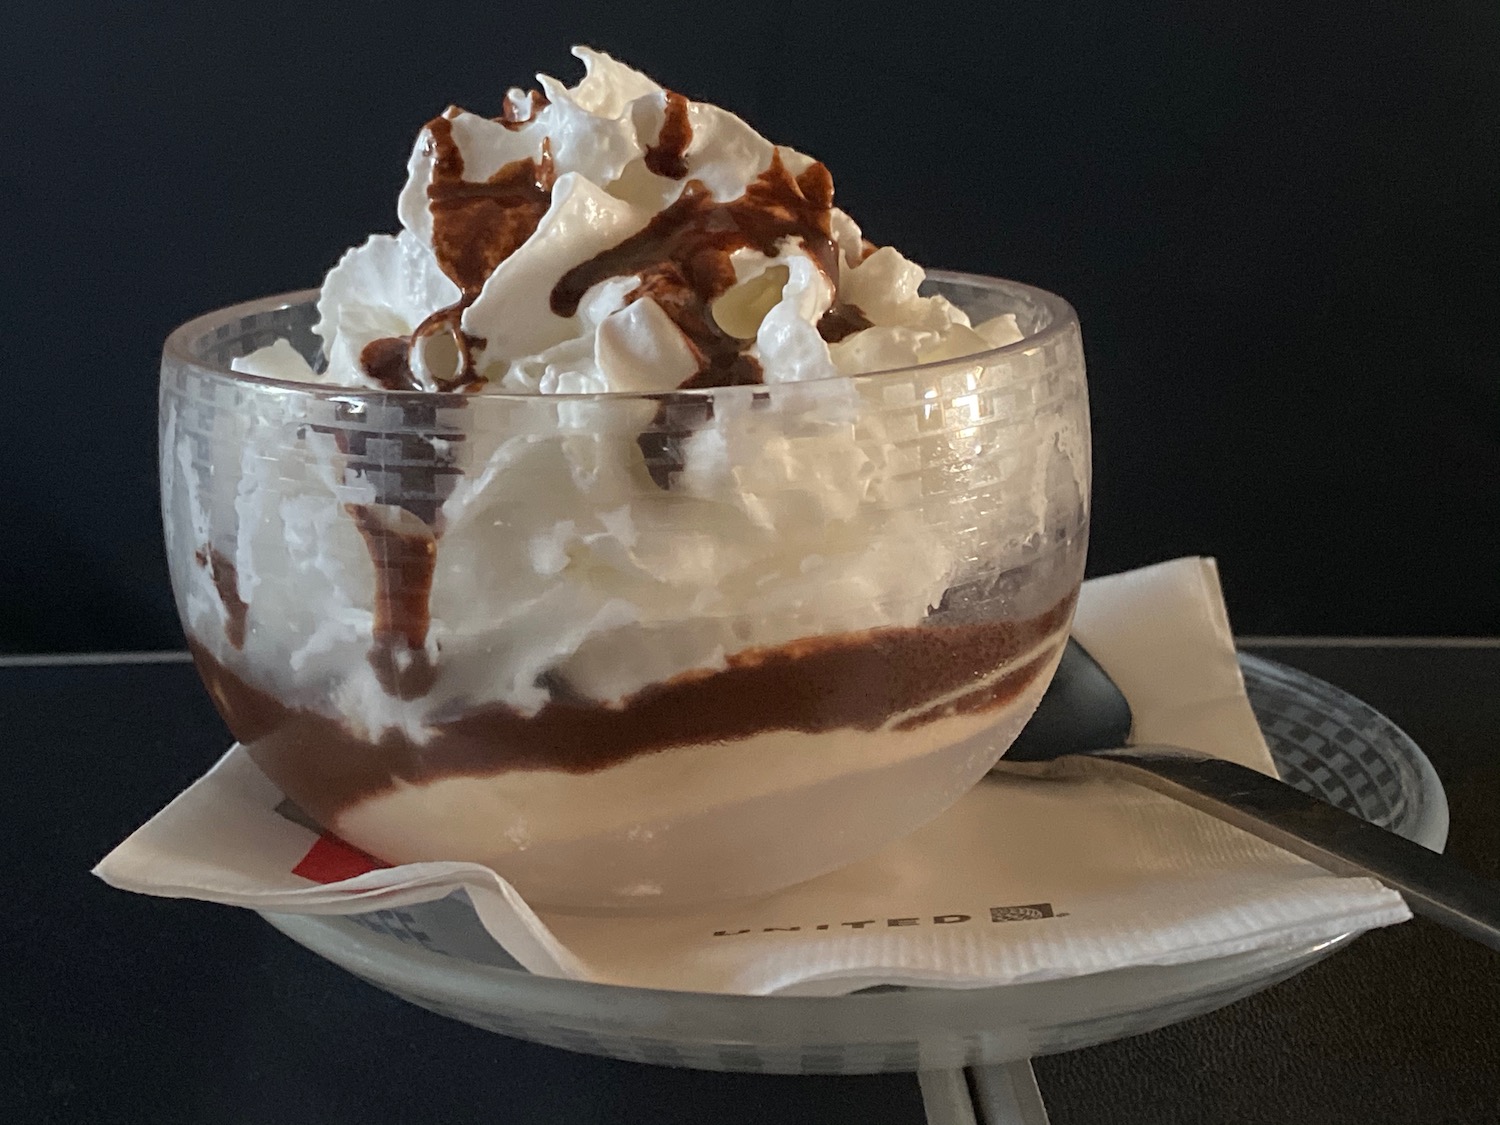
<point x="665" y="157"/>
<point x="842" y="320"/>
<point x="409" y="472"/>
<point x="226" y="580"/>
<point x="388" y="361"/>
<point x="475" y="227"/>
<point x="404" y="559"/>
<point x="511" y="117"/>
<point x="682" y="258"/>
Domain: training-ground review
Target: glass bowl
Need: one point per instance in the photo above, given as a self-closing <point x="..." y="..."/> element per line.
<point x="633" y="652"/>
<point x="437" y="955"/>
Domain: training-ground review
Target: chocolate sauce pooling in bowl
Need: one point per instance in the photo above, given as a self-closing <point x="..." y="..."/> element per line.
<point x="226" y="580"/>
<point x="855" y="681"/>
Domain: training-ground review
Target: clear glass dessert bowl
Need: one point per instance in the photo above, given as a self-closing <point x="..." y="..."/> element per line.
<point x="631" y="651"/>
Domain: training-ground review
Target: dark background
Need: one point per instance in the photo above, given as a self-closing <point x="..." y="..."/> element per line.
<point x="1279" y="229"/>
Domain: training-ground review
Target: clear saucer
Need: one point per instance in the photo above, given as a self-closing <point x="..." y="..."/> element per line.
<point x="437" y="956"/>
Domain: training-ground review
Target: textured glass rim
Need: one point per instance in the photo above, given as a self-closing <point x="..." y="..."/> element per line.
<point x="178" y="349"/>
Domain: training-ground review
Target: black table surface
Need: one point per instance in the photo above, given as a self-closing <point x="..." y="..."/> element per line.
<point x="122" y="1008"/>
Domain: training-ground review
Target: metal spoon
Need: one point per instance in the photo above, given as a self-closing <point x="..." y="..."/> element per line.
<point x="1084" y="718"/>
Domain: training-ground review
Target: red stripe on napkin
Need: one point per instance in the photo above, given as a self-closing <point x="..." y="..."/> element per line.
<point x="331" y="860"/>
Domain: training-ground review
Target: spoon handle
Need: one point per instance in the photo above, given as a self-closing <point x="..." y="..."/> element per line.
<point x="1432" y="885"/>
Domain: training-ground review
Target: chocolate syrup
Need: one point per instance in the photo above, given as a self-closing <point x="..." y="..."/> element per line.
<point x="226" y="580"/>
<point x="409" y="472"/>
<point x="511" y="117"/>
<point x="682" y="257"/>
<point x="843" y="319"/>
<point x="663" y="446"/>
<point x="404" y="553"/>
<point x="475" y="227"/>
<point x="855" y="681"/>
<point x="665" y="157"/>
<point x="388" y="361"/>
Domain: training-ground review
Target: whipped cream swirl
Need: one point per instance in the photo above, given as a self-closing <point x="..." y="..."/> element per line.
<point x="616" y="236"/>
<point x="609" y="237"/>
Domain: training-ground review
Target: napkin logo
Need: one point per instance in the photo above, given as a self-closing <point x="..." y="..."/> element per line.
<point x="1031" y="912"/>
<point x="1021" y="913"/>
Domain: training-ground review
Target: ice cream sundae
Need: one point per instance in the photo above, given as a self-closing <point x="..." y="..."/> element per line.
<point x="628" y="522"/>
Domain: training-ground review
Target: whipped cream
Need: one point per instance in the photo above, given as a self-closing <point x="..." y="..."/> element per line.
<point x="611" y="237"/>
<point x="497" y="213"/>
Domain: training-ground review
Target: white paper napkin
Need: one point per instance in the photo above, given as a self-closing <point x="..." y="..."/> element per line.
<point x="1021" y="880"/>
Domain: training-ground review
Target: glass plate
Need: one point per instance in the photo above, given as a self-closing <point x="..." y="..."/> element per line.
<point x="435" y="955"/>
